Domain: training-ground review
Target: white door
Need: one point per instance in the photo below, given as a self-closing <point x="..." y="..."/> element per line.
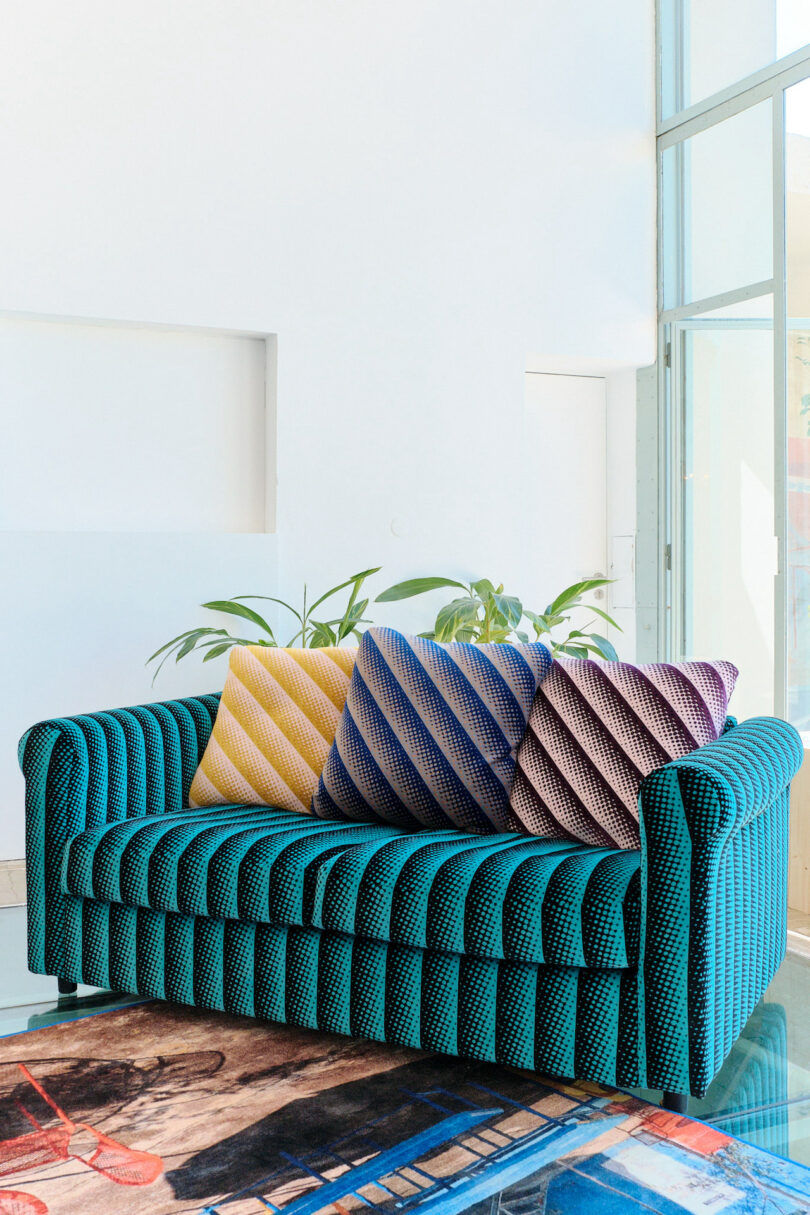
<point x="565" y="525"/>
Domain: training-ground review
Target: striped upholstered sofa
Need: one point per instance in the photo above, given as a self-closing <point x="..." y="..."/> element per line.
<point x="628" y="967"/>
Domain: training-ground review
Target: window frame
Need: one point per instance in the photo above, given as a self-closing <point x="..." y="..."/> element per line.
<point x="672" y="572"/>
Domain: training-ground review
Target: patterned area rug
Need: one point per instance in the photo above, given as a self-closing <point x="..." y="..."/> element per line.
<point x="154" y="1108"/>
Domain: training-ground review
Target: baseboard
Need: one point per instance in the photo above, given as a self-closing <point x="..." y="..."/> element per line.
<point x="12" y="883"/>
<point x="798" y="942"/>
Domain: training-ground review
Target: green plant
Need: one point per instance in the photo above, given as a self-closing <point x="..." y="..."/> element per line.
<point x="484" y="613"/>
<point x="310" y="633"/>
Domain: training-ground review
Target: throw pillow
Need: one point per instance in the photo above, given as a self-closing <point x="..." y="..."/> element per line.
<point x="596" y="729"/>
<point x="274" y="727"/>
<point x="430" y="731"/>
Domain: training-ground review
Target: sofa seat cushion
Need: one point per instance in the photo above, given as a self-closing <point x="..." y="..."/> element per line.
<point x="252" y="863"/>
<point x="499" y="896"/>
<point x="502" y="897"/>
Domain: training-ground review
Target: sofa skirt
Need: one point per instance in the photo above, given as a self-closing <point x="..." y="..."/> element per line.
<point x="564" y="1021"/>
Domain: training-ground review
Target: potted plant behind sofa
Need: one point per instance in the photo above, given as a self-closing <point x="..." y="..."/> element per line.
<point x="484" y="614"/>
<point x="310" y="633"/>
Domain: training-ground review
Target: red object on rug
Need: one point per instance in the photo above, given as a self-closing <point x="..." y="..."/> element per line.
<point x="689" y="1134"/>
<point x="15" y="1202"/>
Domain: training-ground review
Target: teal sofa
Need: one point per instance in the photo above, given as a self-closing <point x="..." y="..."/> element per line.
<point x="636" y="968"/>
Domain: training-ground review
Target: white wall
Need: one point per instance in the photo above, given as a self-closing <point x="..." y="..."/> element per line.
<point x="622" y="511"/>
<point x="414" y="196"/>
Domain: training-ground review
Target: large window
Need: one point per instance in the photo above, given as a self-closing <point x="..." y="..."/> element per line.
<point x="708" y="46"/>
<point x="734" y="301"/>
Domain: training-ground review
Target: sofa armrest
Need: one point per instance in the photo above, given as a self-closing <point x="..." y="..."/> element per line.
<point x="714" y="844"/>
<point x="99" y="768"/>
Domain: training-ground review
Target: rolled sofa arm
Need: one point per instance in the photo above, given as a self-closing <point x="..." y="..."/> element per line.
<point x="714" y="861"/>
<point x="99" y="768"/>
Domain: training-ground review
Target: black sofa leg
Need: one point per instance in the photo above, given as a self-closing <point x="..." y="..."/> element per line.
<point x="66" y="988"/>
<point x="677" y="1102"/>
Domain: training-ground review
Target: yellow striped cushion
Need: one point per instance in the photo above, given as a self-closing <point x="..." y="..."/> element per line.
<point x="275" y="725"/>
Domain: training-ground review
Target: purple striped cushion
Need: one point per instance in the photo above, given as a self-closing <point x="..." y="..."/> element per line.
<point x="596" y="729"/>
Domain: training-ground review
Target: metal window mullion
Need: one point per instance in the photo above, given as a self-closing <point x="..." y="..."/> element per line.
<point x="666" y="477"/>
<point x="682" y="312"/>
<point x="711" y="116"/>
<point x="714" y="324"/>
<point x="780" y="436"/>
<point x="678" y="539"/>
<point x="777" y="75"/>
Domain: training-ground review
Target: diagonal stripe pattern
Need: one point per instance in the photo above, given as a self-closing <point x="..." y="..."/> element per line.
<point x="429" y="733"/>
<point x="275" y="725"/>
<point x="597" y="729"/>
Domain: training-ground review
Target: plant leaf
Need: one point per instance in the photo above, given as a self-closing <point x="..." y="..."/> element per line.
<point x="509" y="608"/>
<point x="178" y="643"/>
<point x="272" y="599"/>
<point x="572" y="594"/>
<point x="590" y="607"/>
<point x="216" y="650"/>
<point x="352" y="616"/>
<point x="604" y="647"/>
<point x="201" y="632"/>
<point x="483" y="587"/>
<point x="321" y="636"/>
<point x="238" y="609"/>
<point x="355" y="578"/>
<point x="455" y="613"/>
<point x="573" y="651"/>
<point x="415" y="586"/>
<point x="187" y="646"/>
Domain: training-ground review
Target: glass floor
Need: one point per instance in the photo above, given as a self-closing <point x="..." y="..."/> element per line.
<point x="762" y="1093"/>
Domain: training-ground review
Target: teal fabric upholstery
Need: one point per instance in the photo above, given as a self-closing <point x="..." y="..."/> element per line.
<point x="230" y="862"/>
<point x="99" y="768"/>
<point x="561" y="1020"/>
<point x="500" y="897"/>
<point x="714" y="896"/>
<point x="519" y="951"/>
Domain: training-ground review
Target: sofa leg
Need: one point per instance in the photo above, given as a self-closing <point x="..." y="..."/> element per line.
<point x="66" y="988"/>
<point x="677" y="1102"/>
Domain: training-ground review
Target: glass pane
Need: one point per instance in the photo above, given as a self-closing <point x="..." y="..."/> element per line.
<point x="727" y="500"/>
<point x="710" y="44"/>
<point x="718" y="208"/>
<point x="797" y="112"/>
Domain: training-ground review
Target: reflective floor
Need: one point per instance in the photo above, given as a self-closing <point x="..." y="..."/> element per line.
<point x="762" y="1093"/>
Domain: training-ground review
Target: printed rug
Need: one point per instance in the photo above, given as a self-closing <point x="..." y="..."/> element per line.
<point x="154" y="1108"/>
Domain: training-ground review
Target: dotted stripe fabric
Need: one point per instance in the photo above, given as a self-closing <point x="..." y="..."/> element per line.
<point x="276" y="722"/>
<point x="596" y="729"/>
<point x="94" y="769"/>
<point x="429" y="733"/>
<point x="714" y="896"/>
<point x="501" y="897"/>
<point x="711" y="929"/>
<point x="564" y="1021"/>
<point x="235" y="862"/>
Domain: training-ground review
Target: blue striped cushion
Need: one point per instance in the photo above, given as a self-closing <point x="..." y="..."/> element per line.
<point x="429" y="732"/>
